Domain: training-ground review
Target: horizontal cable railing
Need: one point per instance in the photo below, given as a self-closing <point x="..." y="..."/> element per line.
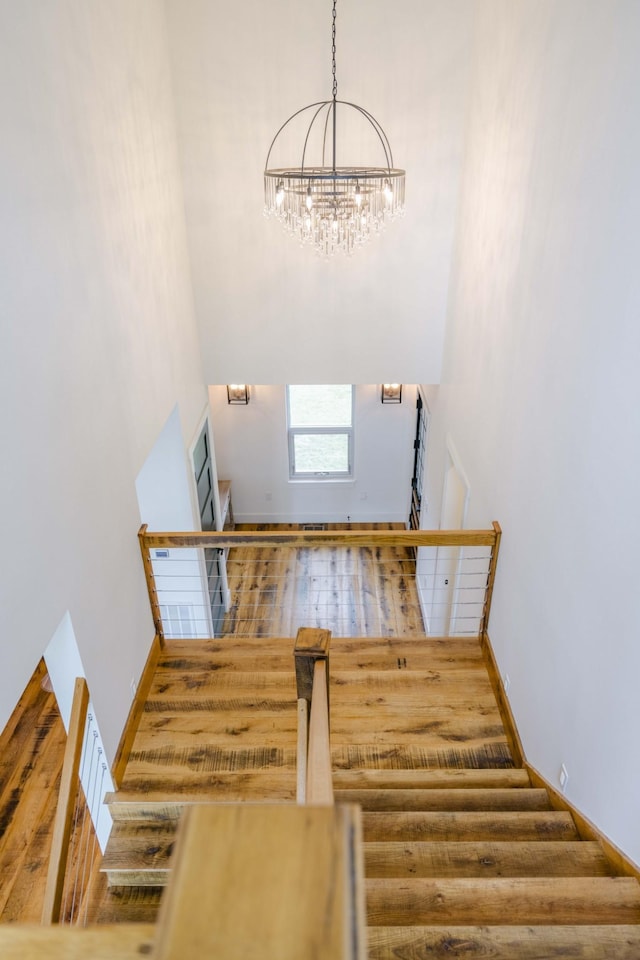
<point x="352" y="582"/>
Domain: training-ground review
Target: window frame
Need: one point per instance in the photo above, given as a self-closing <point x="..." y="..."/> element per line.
<point x="293" y="432"/>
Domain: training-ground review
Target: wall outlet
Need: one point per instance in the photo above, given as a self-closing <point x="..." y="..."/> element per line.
<point x="506" y="682"/>
<point x="134" y="687"/>
<point x="363" y="496"/>
<point x="268" y="496"/>
<point x="563" y="778"/>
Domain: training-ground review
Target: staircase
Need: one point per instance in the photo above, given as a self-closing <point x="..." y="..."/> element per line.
<point x="463" y="857"/>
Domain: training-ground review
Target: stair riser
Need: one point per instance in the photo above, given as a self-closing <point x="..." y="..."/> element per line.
<point x="460" y="859"/>
<point x="468" y="826"/>
<point x="435" y="800"/>
<point x="610" y="942"/>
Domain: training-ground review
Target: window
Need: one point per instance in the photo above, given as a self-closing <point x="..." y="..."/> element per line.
<point x="320" y="423"/>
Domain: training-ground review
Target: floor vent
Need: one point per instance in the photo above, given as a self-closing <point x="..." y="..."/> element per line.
<point x="314" y="526"/>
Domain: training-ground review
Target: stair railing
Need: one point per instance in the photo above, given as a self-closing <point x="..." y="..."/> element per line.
<point x="443" y="579"/>
<point x="314" y="781"/>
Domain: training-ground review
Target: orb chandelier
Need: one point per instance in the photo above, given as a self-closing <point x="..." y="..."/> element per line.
<point x="334" y="209"/>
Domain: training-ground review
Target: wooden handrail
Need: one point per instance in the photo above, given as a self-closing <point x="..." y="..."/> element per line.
<point x="311" y="654"/>
<point x="319" y="778"/>
<point x="267" y="880"/>
<point x="493" y="565"/>
<point x="151" y="582"/>
<point x="302" y="748"/>
<point x="69" y="784"/>
<point x="228" y="539"/>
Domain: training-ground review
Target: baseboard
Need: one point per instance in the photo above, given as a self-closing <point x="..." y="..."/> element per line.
<point x="508" y="720"/>
<point x="356" y="517"/>
<point x="586" y="829"/>
<point x="135" y="713"/>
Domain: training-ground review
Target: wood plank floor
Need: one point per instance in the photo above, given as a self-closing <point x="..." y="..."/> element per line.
<point x="352" y="592"/>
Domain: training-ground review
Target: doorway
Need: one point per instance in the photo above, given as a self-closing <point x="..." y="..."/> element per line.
<point x="419" y="456"/>
<point x="213" y="559"/>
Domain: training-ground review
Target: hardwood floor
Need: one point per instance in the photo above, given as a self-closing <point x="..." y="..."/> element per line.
<point x="352" y="592"/>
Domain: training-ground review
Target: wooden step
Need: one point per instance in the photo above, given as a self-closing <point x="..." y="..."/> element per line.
<point x="138" y="854"/>
<point x="207" y="758"/>
<point x="195" y="684"/>
<point x="449" y="647"/>
<point x="146" y="798"/>
<point x="400" y="756"/>
<point x="534" y="858"/>
<point x="125" y="904"/>
<point x="553" y="825"/>
<point x="588" y="942"/>
<point x="467" y="679"/>
<point x="434" y="799"/>
<point x="121" y="941"/>
<point x="455" y="779"/>
<point x="518" y="900"/>
<point x="185" y="728"/>
<point x="424" y="731"/>
<point x="224" y="646"/>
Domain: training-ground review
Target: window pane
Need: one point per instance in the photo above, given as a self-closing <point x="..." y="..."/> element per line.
<point x="321" y="452"/>
<point x="320" y="405"/>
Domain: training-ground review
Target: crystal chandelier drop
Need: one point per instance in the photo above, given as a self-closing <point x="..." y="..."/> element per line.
<point x="333" y="208"/>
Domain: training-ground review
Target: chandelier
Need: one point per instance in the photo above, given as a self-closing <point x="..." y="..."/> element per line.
<point x="333" y="208"/>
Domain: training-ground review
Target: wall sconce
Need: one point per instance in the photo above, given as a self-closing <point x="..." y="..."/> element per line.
<point x="238" y="393"/>
<point x="391" y="393"/>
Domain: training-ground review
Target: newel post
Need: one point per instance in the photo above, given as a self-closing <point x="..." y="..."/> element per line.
<point x="311" y="644"/>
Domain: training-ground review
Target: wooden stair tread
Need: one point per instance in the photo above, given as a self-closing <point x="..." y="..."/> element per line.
<point x="427" y="779"/>
<point x="120" y="941"/>
<point x="195" y="683"/>
<point x="210" y="758"/>
<point x="466" y="825"/>
<point x="534" y="858"/>
<point x="519" y="900"/>
<point x="584" y="942"/>
<point x="449" y="676"/>
<point x="486" y="798"/>
<point x="130" y="904"/>
<point x="400" y="756"/>
<point x="144" y="797"/>
<point x="452" y="646"/>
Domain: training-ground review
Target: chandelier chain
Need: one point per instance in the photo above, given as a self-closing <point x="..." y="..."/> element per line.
<point x="333" y="51"/>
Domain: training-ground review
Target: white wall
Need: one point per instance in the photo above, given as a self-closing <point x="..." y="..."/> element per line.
<point x="64" y="665"/>
<point x="269" y="311"/>
<point x="540" y="389"/>
<point x="166" y="498"/>
<point x="251" y="451"/>
<point x="98" y="340"/>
